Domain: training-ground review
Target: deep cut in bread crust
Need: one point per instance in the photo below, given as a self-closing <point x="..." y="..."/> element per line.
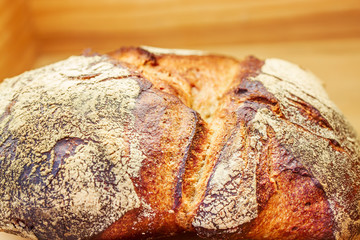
<point x="145" y="142"/>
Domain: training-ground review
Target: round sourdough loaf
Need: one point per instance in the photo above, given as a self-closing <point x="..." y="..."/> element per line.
<point x="145" y="142"/>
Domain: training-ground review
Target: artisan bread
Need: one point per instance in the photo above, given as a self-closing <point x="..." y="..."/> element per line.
<point x="145" y="143"/>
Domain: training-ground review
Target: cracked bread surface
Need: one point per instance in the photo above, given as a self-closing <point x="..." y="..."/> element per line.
<point x="147" y="142"/>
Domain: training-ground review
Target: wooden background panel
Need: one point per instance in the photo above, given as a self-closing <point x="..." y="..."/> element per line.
<point x="17" y="44"/>
<point x="68" y="24"/>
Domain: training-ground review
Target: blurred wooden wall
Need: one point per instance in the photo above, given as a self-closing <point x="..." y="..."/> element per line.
<point x="105" y="24"/>
<point x="17" y="39"/>
<point x="63" y="27"/>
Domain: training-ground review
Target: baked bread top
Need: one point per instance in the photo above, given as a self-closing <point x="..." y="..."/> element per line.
<point x="146" y="142"/>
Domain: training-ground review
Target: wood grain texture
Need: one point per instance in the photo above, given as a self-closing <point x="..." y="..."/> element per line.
<point x="188" y="23"/>
<point x="17" y="45"/>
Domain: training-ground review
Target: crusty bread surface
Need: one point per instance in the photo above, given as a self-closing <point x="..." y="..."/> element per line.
<point x="144" y="143"/>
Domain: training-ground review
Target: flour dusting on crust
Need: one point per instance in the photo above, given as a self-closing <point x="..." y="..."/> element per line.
<point x="68" y="149"/>
<point x="231" y="198"/>
<point x="320" y="139"/>
<point x="307" y="124"/>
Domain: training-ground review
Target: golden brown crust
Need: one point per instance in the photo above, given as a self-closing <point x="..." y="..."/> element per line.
<point x="166" y="129"/>
<point x="177" y="142"/>
<point x="250" y="96"/>
<point x="289" y="204"/>
<point x="294" y="200"/>
<point x="196" y="73"/>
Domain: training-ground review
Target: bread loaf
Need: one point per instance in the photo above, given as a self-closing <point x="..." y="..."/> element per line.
<point x="145" y="143"/>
